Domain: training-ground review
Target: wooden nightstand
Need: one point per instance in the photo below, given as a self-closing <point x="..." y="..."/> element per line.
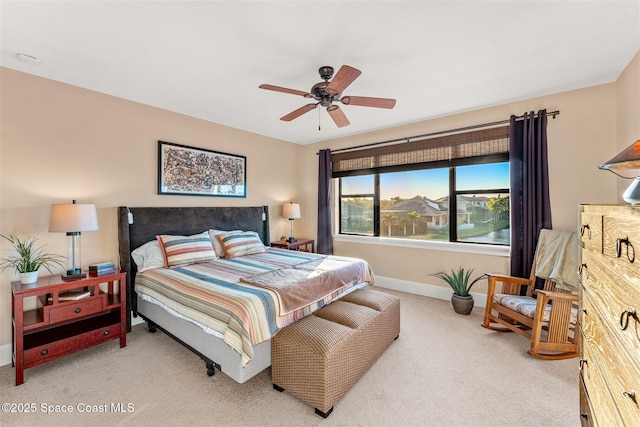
<point x="301" y="245"/>
<point x="56" y="328"/>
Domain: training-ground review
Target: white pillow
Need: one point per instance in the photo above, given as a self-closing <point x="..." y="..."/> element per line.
<point x="217" y="246"/>
<point x="148" y="256"/>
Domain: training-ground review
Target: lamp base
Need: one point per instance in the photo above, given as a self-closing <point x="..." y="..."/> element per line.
<point x="71" y="277"/>
<point x="632" y="194"/>
<point x="292" y="239"/>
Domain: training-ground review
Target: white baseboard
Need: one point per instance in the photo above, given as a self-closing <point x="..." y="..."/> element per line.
<point x="423" y="289"/>
<point x="5" y="354"/>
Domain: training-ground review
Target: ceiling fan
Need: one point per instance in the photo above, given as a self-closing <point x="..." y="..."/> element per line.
<point x="327" y="92"/>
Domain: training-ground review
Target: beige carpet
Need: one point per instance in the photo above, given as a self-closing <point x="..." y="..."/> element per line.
<point x="444" y="370"/>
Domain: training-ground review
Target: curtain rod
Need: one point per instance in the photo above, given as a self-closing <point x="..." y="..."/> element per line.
<point x="442" y="132"/>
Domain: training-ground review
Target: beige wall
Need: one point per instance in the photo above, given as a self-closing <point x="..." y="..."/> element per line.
<point x="628" y="108"/>
<point x="583" y="136"/>
<point x="61" y="142"/>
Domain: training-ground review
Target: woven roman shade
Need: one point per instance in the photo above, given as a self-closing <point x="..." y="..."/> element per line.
<point x="479" y="143"/>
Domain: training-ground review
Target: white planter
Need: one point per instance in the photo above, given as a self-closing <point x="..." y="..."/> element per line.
<point x="30" y="277"/>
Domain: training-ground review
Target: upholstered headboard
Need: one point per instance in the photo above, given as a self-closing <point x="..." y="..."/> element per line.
<point x="149" y="222"/>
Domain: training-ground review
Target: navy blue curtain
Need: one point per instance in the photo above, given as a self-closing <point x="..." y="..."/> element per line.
<point x="530" y="203"/>
<point x="325" y="234"/>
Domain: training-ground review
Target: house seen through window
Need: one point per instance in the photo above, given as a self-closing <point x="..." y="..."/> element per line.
<point x="416" y="204"/>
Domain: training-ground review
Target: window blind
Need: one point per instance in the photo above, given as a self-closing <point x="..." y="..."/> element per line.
<point x="478" y="143"/>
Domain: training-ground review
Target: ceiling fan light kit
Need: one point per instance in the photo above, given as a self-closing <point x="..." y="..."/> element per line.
<point x="327" y="92"/>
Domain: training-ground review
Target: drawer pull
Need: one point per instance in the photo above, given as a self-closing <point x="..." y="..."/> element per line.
<point x="630" y="394"/>
<point x="77" y="310"/>
<point x="584" y="228"/>
<point x="631" y="255"/>
<point x="44" y="352"/>
<point x="105" y="333"/>
<point x="583" y="267"/>
<point x="583" y="363"/>
<point x="624" y="318"/>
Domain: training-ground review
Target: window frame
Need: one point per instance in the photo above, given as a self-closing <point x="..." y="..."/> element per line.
<point x="453" y="193"/>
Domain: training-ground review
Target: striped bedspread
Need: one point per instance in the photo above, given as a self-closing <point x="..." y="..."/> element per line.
<point x="213" y="295"/>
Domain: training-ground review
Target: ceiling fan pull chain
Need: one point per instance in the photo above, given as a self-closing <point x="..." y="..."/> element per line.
<point x="318" y="120"/>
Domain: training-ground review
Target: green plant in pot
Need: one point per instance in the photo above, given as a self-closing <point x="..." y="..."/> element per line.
<point x="461" y="283"/>
<point x="28" y="258"/>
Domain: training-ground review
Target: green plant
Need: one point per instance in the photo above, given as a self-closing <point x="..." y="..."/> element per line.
<point x="29" y="256"/>
<point x="459" y="281"/>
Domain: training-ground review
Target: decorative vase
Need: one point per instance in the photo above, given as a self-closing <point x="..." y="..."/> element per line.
<point x="28" y="277"/>
<point x="462" y="305"/>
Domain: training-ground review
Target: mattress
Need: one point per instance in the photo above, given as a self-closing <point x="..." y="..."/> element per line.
<point x="214" y="296"/>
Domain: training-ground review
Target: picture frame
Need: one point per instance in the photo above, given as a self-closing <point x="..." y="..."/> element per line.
<point x="192" y="171"/>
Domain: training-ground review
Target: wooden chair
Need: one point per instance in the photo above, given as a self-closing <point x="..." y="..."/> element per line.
<point x="548" y="320"/>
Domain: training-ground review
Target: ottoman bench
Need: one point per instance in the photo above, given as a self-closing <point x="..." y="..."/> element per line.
<point x="320" y="357"/>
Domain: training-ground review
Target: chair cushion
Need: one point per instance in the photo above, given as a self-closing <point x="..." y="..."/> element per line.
<point x="527" y="306"/>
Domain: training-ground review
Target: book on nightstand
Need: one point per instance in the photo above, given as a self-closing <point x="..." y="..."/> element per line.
<point x="102" y="269"/>
<point x="71" y="296"/>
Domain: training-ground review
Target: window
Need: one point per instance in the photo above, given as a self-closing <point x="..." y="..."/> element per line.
<point x="445" y="196"/>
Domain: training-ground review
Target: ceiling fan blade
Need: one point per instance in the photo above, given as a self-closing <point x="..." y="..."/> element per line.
<point x="345" y="76"/>
<point x="283" y="89"/>
<point x="366" y="101"/>
<point x="297" y="113"/>
<point x="338" y="116"/>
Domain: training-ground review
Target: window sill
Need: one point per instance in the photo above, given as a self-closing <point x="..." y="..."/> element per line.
<point x="472" y="248"/>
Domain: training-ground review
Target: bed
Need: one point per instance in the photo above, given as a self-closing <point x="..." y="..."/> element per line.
<point x="248" y="298"/>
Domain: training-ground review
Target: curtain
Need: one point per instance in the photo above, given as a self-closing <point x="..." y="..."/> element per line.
<point x="325" y="231"/>
<point x="530" y="203"/>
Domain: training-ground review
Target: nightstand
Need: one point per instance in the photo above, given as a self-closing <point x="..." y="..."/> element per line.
<point x="301" y="245"/>
<point x="57" y="327"/>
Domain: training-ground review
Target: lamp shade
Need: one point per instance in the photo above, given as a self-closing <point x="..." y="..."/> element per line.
<point x="629" y="158"/>
<point x="73" y="217"/>
<point x="291" y="210"/>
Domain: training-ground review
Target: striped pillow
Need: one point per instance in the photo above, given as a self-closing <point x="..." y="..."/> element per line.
<point x="243" y="243"/>
<point x="182" y="250"/>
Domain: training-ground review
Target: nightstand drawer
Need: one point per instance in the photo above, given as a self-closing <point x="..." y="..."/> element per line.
<point x="75" y="310"/>
<point x="53" y="350"/>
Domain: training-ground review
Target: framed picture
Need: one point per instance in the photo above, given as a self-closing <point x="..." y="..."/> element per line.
<point x="191" y="171"/>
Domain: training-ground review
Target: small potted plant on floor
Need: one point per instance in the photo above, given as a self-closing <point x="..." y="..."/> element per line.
<point x="461" y="283"/>
<point x="29" y="258"/>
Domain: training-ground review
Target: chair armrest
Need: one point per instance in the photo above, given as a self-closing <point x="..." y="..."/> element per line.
<point x="510" y="285"/>
<point x="509" y="279"/>
<point x="558" y="295"/>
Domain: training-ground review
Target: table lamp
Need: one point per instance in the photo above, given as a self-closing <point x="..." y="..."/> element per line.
<point x="73" y="219"/>
<point x="291" y="211"/>
<point x="629" y="158"/>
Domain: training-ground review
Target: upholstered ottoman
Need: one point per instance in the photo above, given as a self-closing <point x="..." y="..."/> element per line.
<point x="320" y="357"/>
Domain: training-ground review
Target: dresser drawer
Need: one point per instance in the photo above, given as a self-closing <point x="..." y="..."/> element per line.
<point x="603" y="408"/>
<point x="615" y="298"/>
<point x="586" y="412"/>
<point x="621" y="375"/>
<point x="590" y="231"/>
<point x="75" y="309"/>
<point x="53" y="350"/>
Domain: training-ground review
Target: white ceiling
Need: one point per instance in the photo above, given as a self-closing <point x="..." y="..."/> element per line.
<point x="206" y="59"/>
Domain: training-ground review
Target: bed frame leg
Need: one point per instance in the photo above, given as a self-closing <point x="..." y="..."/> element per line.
<point x="152" y="326"/>
<point x="210" y="369"/>
<point x="277" y="387"/>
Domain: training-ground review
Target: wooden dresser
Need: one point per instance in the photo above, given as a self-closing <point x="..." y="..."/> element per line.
<point x="610" y="315"/>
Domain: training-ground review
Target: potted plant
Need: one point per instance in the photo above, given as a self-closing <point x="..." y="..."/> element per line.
<point x="460" y="282"/>
<point x="28" y="258"/>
